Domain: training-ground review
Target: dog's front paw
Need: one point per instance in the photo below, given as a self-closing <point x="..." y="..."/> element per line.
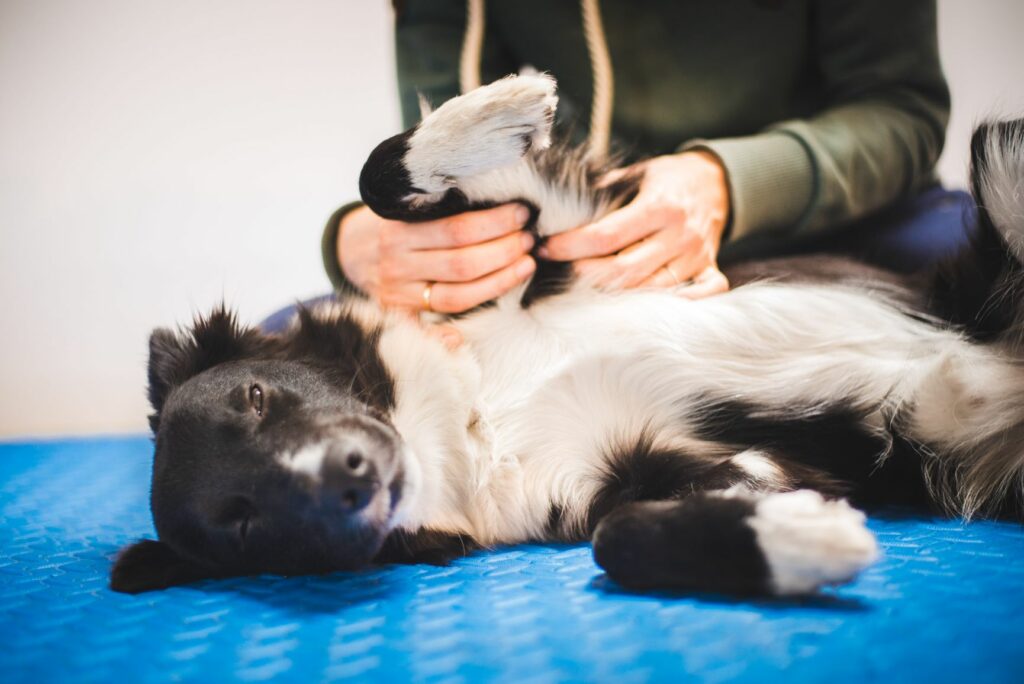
<point x="485" y="129"/>
<point x="809" y="542"/>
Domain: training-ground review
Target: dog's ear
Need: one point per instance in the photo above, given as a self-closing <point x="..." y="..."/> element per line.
<point x="147" y="565"/>
<point x="214" y="339"/>
<point x="167" y="354"/>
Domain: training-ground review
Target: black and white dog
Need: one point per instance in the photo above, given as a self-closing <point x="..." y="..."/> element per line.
<point x="702" y="445"/>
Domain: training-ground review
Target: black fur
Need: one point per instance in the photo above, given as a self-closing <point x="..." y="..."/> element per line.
<point x="212" y="340"/>
<point x="223" y="503"/>
<point x="425" y="546"/>
<point x="702" y="543"/>
<point x="148" y="565"/>
<point x="827" y="448"/>
<point x="643" y="472"/>
<point x="349" y="353"/>
<point x="550" y="278"/>
<point x="384" y="183"/>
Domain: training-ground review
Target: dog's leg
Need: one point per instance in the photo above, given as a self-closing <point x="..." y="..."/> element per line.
<point x="756" y="522"/>
<point x="417" y="175"/>
<point x="735" y="542"/>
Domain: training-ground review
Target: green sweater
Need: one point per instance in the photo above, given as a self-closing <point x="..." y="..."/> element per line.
<point x="821" y="111"/>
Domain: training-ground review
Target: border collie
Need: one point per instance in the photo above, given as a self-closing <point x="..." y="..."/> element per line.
<point x="707" y="445"/>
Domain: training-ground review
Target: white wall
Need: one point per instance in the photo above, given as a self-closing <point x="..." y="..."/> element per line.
<point x="156" y="157"/>
<point x="983" y="57"/>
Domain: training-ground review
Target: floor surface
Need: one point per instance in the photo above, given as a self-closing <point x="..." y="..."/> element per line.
<point x="945" y="604"/>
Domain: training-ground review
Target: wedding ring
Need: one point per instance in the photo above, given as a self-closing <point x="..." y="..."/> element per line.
<point x="426" y="296"/>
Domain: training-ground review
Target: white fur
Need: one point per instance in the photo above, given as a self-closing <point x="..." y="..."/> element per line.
<point x="523" y="417"/>
<point x="482" y="130"/>
<point x="809" y="542"/>
<point x="306" y="460"/>
<point x="759" y="468"/>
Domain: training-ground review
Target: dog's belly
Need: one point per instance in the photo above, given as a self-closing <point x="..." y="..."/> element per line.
<point x="781" y="344"/>
<point x="566" y="380"/>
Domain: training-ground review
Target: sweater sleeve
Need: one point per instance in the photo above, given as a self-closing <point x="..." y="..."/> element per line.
<point x="329" y="252"/>
<point x="877" y="134"/>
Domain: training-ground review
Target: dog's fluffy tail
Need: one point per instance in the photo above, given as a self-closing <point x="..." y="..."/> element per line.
<point x="981" y="290"/>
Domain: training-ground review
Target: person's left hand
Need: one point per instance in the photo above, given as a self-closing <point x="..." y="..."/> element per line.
<point x="667" y="236"/>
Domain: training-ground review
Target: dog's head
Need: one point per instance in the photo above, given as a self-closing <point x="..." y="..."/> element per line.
<point x="273" y="453"/>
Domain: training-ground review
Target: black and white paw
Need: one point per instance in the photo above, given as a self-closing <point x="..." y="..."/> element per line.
<point x="781" y="544"/>
<point x="485" y="129"/>
<point x="809" y="542"/>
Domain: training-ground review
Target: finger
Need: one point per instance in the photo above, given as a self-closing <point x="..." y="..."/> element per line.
<point x="670" y="274"/>
<point x="616" y="175"/>
<point x="465" y="263"/>
<point x="448" y="334"/>
<point x="459" y="297"/>
<point x="685" y="268"/>
<point x="460" y="230"/>
<point x="638" y="262"/>
<point x="608" y="235"/>
<point x="710" y="282"/>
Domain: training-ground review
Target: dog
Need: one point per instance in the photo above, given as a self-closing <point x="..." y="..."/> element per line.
<point x="717" y="445"/>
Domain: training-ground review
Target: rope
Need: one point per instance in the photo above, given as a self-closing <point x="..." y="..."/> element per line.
<point x="604" y="83"/>
<point x="472" y="46"/>
<point x="600" y="66"/>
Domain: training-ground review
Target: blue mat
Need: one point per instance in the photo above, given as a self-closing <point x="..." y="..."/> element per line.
<point x="946" y="604"/>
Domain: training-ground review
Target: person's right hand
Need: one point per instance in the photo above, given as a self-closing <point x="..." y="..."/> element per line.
<point x="469" y="258"/>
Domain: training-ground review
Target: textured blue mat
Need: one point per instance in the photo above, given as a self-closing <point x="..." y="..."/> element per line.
<point x="946" y="604"/>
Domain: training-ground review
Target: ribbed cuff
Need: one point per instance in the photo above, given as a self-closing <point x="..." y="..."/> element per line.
<point x="771" y="180"/>
<point x="329" y="251"/>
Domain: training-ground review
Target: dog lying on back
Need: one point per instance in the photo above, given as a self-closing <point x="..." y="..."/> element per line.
<point x="701" y="445"/>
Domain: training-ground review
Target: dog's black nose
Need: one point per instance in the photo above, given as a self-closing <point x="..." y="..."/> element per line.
<point x="347" y="472"/>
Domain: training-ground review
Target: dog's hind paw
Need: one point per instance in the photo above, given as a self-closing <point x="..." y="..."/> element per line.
<point x="810" y="542"/>
<point x="485" y="129"/>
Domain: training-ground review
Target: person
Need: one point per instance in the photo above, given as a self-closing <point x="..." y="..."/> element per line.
<point x="761" y="122"/>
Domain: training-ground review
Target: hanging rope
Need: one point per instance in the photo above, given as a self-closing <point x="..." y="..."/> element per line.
<point x="604" y="84"/>
<point x="472" y="46"/>
<point x="600" y="66"/>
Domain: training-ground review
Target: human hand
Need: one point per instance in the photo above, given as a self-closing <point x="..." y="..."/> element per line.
<point x="669" y="234"/>
<point x="451" y="264"/>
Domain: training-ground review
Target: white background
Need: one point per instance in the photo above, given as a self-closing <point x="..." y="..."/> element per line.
<point x="156" y="157"/>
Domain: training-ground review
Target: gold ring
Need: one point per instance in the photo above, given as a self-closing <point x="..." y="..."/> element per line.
<point x="426" y="296"/>
<point x="673" y="274"/>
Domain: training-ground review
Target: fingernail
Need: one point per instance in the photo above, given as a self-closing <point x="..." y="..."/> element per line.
<point x="527" y="241"/>
<point x="522" y="215"/>
<point x="525" y="268"/>
<point x="543" y="252"/>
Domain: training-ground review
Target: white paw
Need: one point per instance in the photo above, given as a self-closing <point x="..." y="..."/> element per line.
<point x="810" y="542"/>
<point x="485" y="129"/>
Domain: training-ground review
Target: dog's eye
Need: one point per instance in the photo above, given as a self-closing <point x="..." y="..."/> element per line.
<point x="256" y="399"/>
